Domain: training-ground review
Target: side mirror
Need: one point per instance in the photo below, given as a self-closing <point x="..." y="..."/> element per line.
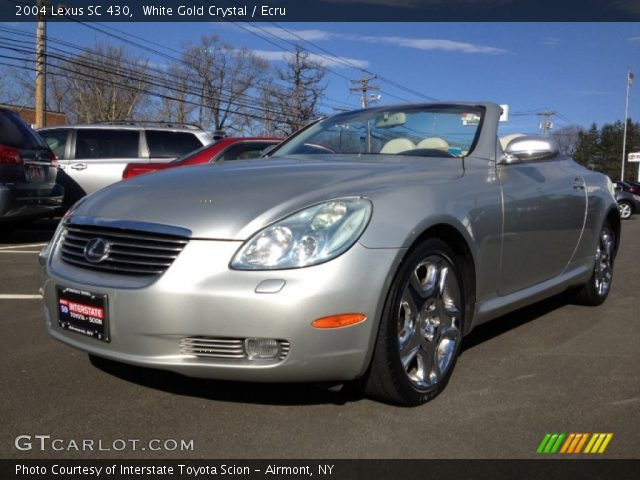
<point x="529" y="148"/>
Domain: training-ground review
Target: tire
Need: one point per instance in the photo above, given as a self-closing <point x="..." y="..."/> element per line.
<point x="626" y="210"/>
<point x="596" y="290"/>
<point x="420" y="330"/>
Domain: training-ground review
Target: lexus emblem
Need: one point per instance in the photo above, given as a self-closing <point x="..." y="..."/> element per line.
<point x="97" y="250"/>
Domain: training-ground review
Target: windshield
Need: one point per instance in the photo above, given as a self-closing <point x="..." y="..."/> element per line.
<point x="424" y="131"/>
<point x="15" y="133"/>
<point x="192" y="153"/>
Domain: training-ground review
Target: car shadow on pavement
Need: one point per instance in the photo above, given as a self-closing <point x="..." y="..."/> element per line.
<point x="27" y="232"/>
<point x="228" y="391"/>
<point x="303" y="393"/>
<point x="513" y="320"/>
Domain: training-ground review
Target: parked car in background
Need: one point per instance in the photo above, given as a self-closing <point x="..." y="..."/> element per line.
<point x="93" y="156"/>
<point x="367" y="259"/>
<point x="223" y="150"/>
<point x="627" y="186"/>
<point x="28" y="172"/>
<point x="634" y="184"/>
<point x="628" y="202"/>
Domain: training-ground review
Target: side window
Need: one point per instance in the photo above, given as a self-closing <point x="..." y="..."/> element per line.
<point x="242" y="151"/>
<point x="57" y="141"/>
<point x="164" y="144"/>
<point x="102" y="143"/>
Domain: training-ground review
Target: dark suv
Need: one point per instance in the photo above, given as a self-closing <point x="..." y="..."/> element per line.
<point x="28" y="172"/>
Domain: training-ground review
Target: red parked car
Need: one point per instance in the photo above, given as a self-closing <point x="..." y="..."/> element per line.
<point x="225" y="149"/>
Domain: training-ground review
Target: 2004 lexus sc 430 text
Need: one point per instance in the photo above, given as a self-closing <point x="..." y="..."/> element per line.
<point x="363" y="248"/>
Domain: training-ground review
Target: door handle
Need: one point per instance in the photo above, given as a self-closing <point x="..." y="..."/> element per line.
<point x="578" y="184"/>
<point x="79" y="166"/>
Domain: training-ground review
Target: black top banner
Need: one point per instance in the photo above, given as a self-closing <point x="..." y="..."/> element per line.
<point x="320" y="10"/>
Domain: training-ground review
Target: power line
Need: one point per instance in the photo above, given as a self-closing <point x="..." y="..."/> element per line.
<point x="161" y="72"/>
<point x="98" y="81"/>
<point x="546" y="124"/>
<point x="137" y="75"/>
<point x="332" y="58"/>
<point x="364" y="87"/>
<point x="347" y="62"/>
<point x="178" y="60"/>
<point x="101" y="81"/>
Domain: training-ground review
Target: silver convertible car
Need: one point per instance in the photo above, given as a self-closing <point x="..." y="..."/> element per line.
<point x="363" y="249"/>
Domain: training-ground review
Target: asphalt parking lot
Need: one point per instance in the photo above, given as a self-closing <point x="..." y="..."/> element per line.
<point x="552" y="367"/>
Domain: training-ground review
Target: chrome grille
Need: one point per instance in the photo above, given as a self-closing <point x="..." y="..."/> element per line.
<point x="131" y="252"/>
<point x="231" y="348"/>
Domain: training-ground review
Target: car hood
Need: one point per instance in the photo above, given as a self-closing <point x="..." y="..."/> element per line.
<point x="232" y="201"/>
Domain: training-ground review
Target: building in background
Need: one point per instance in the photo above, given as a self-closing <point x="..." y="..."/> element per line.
<point x="52" y="119"/>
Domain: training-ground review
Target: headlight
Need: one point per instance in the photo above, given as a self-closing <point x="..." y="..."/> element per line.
<point x="311" y="236"/>
<point x="44" y="254"/>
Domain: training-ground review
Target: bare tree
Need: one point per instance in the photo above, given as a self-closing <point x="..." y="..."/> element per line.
<point x="58" y="92"/>
<point x="16" y="86"/>
<point x="223" y="77"/>
<point x="263" y="120"/>
<point x="102" y="84"/>
<point x="177" y="101"/>
<point x="567" y="139"/>
<point x="301" y="90"/>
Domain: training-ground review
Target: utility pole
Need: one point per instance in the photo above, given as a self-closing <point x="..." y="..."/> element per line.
<point x="363" y="88"/>
<point x="40" y="83"/>
<point x="545" y="125"/>
<point x="626" y="114"/>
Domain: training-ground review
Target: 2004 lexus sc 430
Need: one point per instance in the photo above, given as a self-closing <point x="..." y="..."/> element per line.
<point x="364" y="248"/>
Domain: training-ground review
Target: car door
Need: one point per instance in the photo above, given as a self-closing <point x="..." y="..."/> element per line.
<point x="544" y="205"/>
<point x="101" y="155"/>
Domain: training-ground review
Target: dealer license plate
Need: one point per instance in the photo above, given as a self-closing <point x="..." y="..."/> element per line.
<point x="35" y="173"/>
<point x="83" y="312"/>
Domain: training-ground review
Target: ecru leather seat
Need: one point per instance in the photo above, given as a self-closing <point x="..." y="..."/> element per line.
<point x="434" y="143"/>
<point x="398" y="145"/>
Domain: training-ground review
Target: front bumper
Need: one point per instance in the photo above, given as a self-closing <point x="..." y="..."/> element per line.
<point x="199" y="296"/>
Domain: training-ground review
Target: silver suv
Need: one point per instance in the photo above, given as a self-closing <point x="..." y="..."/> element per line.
<point x="93" y="156"/>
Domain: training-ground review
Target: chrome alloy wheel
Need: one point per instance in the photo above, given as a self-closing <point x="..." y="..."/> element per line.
<point x="429" y="322"/>
<point x="625" y="210"/>
<point x="603" y="270"/>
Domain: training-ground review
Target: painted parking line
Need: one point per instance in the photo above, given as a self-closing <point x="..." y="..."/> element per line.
<point x="10" y="247"/>
<point x="20" y="251"/>
<point x="9" y="296"/>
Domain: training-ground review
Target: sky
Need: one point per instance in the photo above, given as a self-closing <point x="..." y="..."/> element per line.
<point x="578" y="70"/>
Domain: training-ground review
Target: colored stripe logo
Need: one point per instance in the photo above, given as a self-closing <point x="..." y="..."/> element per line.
<point x="573" y="443"/>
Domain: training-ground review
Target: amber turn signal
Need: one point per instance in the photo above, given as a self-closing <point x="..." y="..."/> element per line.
<point x="340" y="320"/>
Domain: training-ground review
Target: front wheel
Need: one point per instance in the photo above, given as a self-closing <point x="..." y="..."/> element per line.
<point x="625" y="210"/>
<point x="421" y="328"/>
<point x="596" y="290"/>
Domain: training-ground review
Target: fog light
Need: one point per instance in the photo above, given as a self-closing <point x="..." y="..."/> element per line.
<point x="262" y="348"/>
